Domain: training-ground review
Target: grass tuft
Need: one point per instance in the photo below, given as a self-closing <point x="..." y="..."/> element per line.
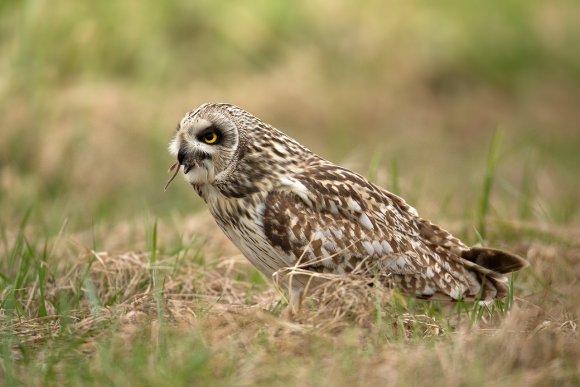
<point x="180" y="319"/>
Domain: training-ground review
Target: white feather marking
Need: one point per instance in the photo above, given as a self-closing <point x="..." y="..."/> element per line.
<point x="260" y="209"/>
<point x="333" y="208"/>
<point x="279" y="148"/>
<point x="429" y="272"/>
<point x="200" y="124"/>
<point x="197" y="175"/>
<point x="428" y="291"/>
<point x="353" y="205"/>
<point x="457" y="292"/>
<point x="174" y="147"/>
<point x="413" y="211"/>
<point x="368" y="247"/>
<point x="398" y="264"/>
<point x="330" y="246"/>
<point x="387" y="249"/>
<point x="337" y="233"/>
<point x="299" y="189"/>
<point x="377" y="247"/>
<point x="365" y="221"/>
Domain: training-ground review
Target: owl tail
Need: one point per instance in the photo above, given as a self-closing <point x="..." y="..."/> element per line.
<point x="495" y="260"/>
<point x="486" y="268"/>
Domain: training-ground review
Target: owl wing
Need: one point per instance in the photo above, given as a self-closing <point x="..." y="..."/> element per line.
<point x="333" y="220"/>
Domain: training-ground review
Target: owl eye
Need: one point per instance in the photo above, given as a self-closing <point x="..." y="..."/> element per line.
<point x="210" y="137"/>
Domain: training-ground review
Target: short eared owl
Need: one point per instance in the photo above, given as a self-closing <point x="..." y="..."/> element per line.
<point x="284" y="206"/>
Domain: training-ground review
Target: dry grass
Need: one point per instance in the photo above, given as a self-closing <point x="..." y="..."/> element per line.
<point x="244" y="334"/>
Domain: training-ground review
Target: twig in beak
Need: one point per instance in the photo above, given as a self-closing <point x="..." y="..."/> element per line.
<point x="175" y="167"/>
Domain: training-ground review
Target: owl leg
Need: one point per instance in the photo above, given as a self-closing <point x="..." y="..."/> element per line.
<point x="295" y="295"/>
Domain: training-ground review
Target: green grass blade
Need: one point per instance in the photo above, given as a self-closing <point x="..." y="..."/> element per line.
<point x="488" y="181"/>
<point x="394" y="188"/>
<point x="41" y="265"/>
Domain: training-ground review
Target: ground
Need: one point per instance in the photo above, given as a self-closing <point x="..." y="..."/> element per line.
<point x="468" y="112"/>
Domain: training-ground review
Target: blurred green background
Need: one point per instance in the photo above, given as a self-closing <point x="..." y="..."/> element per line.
<point x="90" y="93"/>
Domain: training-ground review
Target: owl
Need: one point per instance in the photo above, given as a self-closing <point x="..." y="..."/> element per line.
<point x="284" y="206"/>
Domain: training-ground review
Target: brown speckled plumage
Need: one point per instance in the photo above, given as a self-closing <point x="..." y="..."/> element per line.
<point x="282" y="205"/>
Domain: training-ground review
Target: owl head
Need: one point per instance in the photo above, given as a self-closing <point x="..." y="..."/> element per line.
<point x="223" y="145"/>
<point x="206" y="142"/>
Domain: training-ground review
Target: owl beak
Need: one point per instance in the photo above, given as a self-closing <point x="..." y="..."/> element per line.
<point x="188" y="159"/>
<point x="187" y="168"/>
<point x="181" y="155"/>
<point x="185" y="158"/>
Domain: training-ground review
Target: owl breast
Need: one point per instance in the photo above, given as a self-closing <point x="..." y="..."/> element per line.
<point x="241" y="220"/>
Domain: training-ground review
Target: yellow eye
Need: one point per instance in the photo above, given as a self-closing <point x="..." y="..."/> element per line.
<point x="210" y="138"/>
